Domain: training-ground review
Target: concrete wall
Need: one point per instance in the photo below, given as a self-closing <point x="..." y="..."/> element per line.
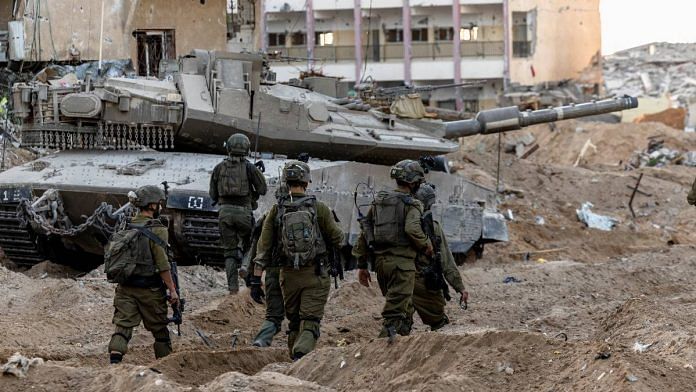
<point x="568" y="34"/>
<point x="76" y="23"/>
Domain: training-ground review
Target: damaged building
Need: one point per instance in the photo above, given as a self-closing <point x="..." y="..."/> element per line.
<point x="430" y="42"/>
<point x="146" y="32"/>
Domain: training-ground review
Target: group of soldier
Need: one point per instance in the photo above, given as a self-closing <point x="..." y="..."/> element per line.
<point x="410" y="258"/>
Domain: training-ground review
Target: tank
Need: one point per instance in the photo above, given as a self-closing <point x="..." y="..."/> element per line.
<point x="120" y="134"/>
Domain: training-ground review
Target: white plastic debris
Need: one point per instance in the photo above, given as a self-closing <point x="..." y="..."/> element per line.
<point x="640" y="347"/>
<point x="18" y="365"/>
<point x="595" y="221"/>
<point x="601" y="376"/>
<point x="539" y="220"/>
<point x="631" y="378"/>
<point x="343" y="364"/>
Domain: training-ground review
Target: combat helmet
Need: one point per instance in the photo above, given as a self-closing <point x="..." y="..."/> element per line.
<point x="408" y="171"/>
<point x="238" y="145"/>
<point x="148" y="194"/>
<point x="297" y="171"/>
<point x="426" y="195"/>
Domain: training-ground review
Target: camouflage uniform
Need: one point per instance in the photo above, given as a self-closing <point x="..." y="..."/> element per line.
<point x="237" y="199"/>
<point x="144" y="299"/>
<point x="395" y="263"/>
<point x="306" y="288"/>
<point x="275" y="309"/>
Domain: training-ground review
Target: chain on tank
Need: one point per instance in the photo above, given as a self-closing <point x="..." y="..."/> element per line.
<point x="108" y="135"/>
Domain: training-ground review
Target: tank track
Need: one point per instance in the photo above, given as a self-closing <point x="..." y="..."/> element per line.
<point x="19" y="242"/>
<point x="202" y="235"/>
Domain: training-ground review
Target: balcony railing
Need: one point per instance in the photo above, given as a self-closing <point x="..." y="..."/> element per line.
<point x="395" y="51"/>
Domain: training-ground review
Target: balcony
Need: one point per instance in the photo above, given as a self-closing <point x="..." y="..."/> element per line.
<point x="395" y="51"/>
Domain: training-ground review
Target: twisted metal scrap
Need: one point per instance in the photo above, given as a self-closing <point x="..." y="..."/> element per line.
<point x="26" y="215"/>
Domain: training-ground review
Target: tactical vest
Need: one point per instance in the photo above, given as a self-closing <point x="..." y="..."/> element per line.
<point x="300" y="239"/>
<point x="233" y="179"/>
<point x="389" y="219"/>
<point x="128" y="257"/>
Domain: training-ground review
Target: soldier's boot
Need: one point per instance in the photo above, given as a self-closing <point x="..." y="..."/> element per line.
<point x="244" y="267"/>
<point x="118" y="345"/>
<point x="439" y="324"/>
<point x="163" y="344"/>
<point x="404" y="326"/>
<point x="265" y="336"/>
<point x="307" y="340"/>
<point x="231" y="266"/>
<point x="292" y="337"/>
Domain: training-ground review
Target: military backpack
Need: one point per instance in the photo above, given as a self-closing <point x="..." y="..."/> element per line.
<point x="300" y="238"/>
<point x="389" y="218"/>
<point x="234" y="177"/>
<point x="128" y="255"/>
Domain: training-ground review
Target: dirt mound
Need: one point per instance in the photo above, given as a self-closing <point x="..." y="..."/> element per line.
<point x="47" y="269"/>
<point x="672" y="117"/>
<point x="197" y="368"/>
<point x="262" y="382"/>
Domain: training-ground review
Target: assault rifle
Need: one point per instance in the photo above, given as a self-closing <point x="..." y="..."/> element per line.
<point x="177" y="308"/>
<point x="367" y="230"/>
<point x="434" y="277"/>
<point x="335" y="260"/>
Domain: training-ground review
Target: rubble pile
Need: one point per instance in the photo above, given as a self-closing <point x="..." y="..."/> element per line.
<point x="652" y="70"/>
<point x="656" y="154"/>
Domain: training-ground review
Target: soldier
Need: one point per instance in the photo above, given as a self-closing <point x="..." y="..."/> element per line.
<point x="394" y="220"/>
<point x="429" y="302"/>
<point x="142" y="295"/>
<point x="236" y="185"/>
<point x="295" y="231"/>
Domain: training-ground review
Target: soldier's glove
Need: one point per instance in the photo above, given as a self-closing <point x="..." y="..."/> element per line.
<point x="260" y="165"/>
<point x="364" y="277"/>
<point x="464" y="299"/>
<point x="256" y="291"/>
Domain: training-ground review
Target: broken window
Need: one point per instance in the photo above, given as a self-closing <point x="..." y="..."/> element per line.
<point x="154" y="46"/>
<point x="419" y="35"/>
<point x="298" y="38"/>
<point x="323" y="39"/>
<point x="523" y="33"/>
<point x="394" y="35"/>
<point x="465" y="34"/>
<point x="276" y="39"/>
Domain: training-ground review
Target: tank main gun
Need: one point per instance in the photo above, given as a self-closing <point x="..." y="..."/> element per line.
<point x="511" y="118"/>
<point x="393" y="92"/>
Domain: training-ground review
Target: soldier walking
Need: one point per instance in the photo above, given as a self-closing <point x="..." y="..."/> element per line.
<point x="297" y="231"/>
<point x="428" y="293"/>
<point x="396" y="236"/>
<point x="140" y="294"/>
<point x="236" y="185"/>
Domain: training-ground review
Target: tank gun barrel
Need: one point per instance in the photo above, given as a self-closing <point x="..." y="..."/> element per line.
<point x="394" y="91"/>
<point x="511" y="118"/>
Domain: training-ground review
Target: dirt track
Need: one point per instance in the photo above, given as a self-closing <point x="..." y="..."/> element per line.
<point x="605" y="291"/>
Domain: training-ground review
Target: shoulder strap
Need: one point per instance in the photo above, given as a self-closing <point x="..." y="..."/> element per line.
<point x="151" y="236"/>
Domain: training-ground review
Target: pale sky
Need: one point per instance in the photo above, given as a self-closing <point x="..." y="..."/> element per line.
<point x="630" y="23"/>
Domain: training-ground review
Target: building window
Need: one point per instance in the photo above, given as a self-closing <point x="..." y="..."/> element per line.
<point x="523" y="33"/>
<point x="465" y="34"/>
<point x="324" y="39"/>
<point x="154" y="46"/>
<point x="298" y="39"/>
<point x="276" y="39"/>
<point x="394" y="35"/>
<point x="419" y="35"/>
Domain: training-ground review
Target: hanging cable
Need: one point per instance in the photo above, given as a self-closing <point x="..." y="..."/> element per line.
<point x="367" y="48"/>
<point x="497" y="175"/>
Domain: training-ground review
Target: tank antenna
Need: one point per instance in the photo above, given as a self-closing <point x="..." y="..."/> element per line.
<point x="256" y="142"/>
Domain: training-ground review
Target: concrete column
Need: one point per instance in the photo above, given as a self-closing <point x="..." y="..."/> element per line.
<point x="262" y="26"/>
<point x="357" y="32"/>
<point x="507" y="45"/>
<point x="406" y="16"/>
<point x="456" y="51"/>
<point x="309" y="22"/>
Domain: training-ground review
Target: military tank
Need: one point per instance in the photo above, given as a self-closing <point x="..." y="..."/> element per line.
<point x="119" y="134"/>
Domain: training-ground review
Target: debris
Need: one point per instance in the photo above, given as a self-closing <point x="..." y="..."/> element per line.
<point x="633" y="194"/>
<point x="602" y="355"/>
<point x="530" y="151"/>
<point x="595" y="221"/>
<point x="235" y="337"/>
<point x="508" y="215"/>
<point x="18" y="365"/>
<point x="511" y="279"/>
<point x="357" y="355"/>
<point x="341" y="343"/>
<point x="672" y="117"/>
<point x="601" y="376"/>
<point x="689" y="159"/>
<point x="583" y="151"/>
<point x="639" y="347"/>
<point x="689" y="366"/>
<point x="631" y="378"/>
<point x="504" y="367"/>
<point x="539" y="220"/>
<point x="343" y="364"/>
<point x="205" y="338"/>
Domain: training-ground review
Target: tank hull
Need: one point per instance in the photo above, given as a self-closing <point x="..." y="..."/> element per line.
<point x="86" y="179"/>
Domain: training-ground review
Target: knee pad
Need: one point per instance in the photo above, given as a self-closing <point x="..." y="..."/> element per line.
<point x="119" y="340"/>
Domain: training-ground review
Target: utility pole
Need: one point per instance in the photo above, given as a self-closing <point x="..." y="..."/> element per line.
<point x="406" y="17"/>
<point x="309" y="22"/>
<point x="506" y="45"/>
<point x="357" y="32"/>
<point x="456" y="52"/>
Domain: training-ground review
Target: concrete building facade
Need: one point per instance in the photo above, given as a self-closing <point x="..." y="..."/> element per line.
<point x="414" y="42"/>
<point x="145" y="31"/>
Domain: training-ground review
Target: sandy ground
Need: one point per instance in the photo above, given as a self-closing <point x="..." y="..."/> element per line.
<point x="592" y="310"/>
